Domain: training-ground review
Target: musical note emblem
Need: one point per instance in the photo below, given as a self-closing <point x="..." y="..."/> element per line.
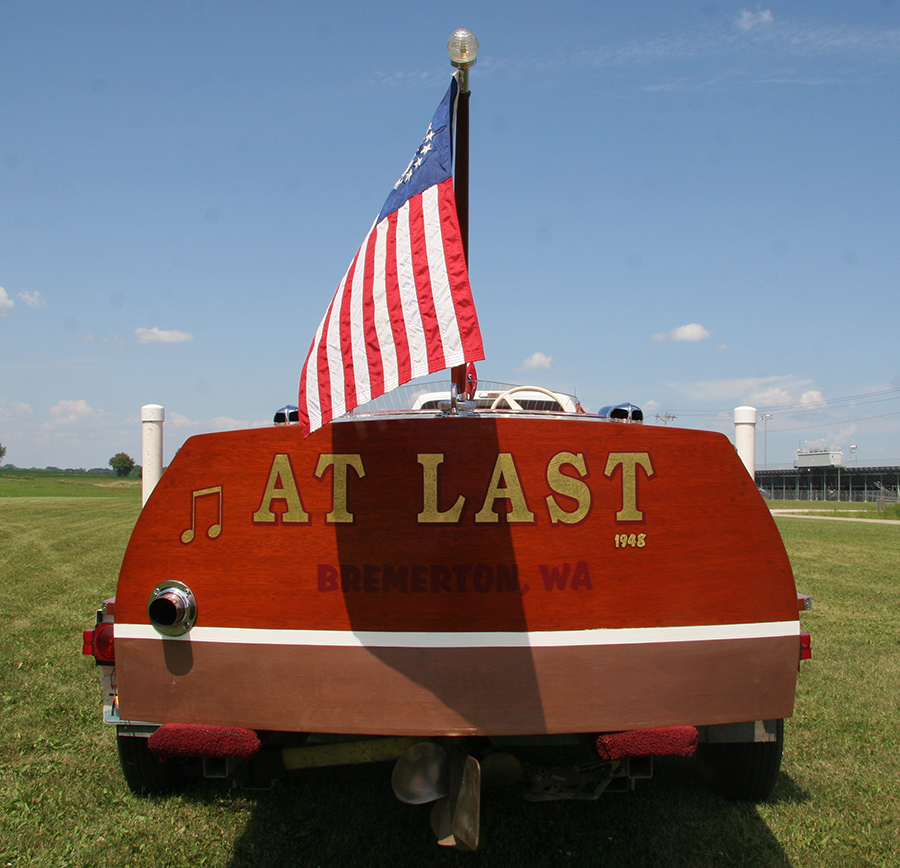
<point x="214" y="529"/>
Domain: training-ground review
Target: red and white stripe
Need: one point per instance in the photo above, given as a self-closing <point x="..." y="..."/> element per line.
<point x="403" y="309"/>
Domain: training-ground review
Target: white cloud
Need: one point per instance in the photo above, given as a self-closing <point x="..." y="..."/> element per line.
<point x="839" y="439"/>
<point x="786" y="392"/>
<point x="692" y="332"/>
<point x="6" y="303"/>
<point x="32" y="299"/>
<point x="783" y="395"/>
<point x="813" y="397"/>
<point x="538" y="360"/>
<point x="179" y="420"/>
<point x="748" y="20"/>
<point x="161" y="336"/>
<point x="846" y="435"/>
<point x="226" y="423"/>
<point x="72" y="412"/>
<point x="15" y="410"/>
<point x="774" y="396"/>
<point x="740" y="389"/>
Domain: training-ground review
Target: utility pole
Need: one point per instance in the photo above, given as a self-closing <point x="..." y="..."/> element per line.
<point x="765" y="419"/>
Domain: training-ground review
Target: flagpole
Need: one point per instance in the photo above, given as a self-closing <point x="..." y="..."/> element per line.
<point x="463" y="49"/>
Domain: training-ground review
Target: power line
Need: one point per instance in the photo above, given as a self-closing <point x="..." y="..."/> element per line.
<point x="834" y="403"/>
<point x="892" y="394"/>
<point x="836" y="422"/>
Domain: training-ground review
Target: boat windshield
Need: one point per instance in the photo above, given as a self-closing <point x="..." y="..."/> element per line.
<point x="430" y="396"/>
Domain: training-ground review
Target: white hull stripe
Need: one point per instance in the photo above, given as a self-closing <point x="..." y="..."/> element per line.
<point x="543" y="639"/>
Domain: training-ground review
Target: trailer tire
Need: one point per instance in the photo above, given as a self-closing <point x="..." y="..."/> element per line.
<point x="145" y="774"/>
<point x="746" y="771"/>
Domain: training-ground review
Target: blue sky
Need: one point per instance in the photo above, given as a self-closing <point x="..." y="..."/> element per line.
<point x="689" y="206"/>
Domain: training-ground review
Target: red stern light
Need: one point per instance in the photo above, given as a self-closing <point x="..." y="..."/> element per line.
<point x="99" y="643"/>
<point x="805" y="646"/>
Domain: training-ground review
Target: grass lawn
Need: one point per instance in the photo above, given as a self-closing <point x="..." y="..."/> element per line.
<point x="63" y="801"/>
<point x="50" y="483"/>
<point x="838" y="509"/>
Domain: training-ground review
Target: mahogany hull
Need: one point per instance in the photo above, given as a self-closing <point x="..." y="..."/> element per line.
<point x="426" y="576"/>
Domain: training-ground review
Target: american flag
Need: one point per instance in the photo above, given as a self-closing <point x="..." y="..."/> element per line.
<point x="404" y="308"/>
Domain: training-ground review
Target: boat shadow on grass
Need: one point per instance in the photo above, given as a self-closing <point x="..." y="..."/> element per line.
<point x="348" y="816"/>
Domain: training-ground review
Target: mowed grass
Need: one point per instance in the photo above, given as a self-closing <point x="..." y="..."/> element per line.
<point x="63" y="801"/>
<point x="838" y="508"/>
<point x="51" y="483"/>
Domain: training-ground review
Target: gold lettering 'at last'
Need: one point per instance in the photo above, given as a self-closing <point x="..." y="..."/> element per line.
<point x="504" y="485"/>
<point x="281" y="486"/>
<point x="629" y="462"/>
<point x="569" y="501"/>
<point x="431" y="513"/>
<point x="339" y="465"/>
<point x="568" y="486"/>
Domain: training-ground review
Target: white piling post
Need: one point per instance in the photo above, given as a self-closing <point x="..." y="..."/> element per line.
<point x="152" y="417"/>
<point x="745" y="437"/>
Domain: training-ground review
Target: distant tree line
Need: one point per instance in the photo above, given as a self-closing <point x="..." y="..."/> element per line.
<point x="121" y="464"/>
<point x="92" y="471"/>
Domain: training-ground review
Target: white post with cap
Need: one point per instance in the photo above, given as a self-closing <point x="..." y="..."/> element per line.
<point x="745" y="419"/>
<point x="152" y="417"/>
